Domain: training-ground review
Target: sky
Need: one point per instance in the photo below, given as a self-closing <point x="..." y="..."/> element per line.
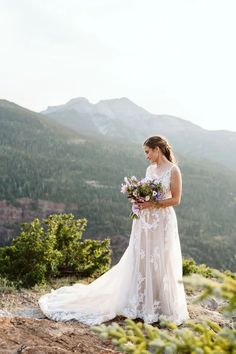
<point x="173" y="57"/>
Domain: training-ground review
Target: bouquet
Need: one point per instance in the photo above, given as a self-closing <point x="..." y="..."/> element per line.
<point x="138" y="191"/>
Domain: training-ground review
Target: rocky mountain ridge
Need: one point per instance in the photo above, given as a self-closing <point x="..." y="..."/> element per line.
<point x="124" y="121"/>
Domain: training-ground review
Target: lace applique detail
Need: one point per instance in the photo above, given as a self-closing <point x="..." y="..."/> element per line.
<point x="70" y="316"/>
<point x="136" y="307"/>
<point x="149" y="219"/>
<point x="165" y="283"/>
<point x="142" y="254"/>
<point x="140" y="280"/>
<point x="155" y="258"/>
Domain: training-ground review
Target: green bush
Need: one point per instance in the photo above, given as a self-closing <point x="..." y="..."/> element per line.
<point x="224" y="288"/>
<point x="6" y="286"/>
<point x="53" y="248"/>
<point x="32" y="256"/>
<point x="190" y="267"/>
<point x="81" y="257"/>
<point x="230" y="274"/>
<point x="196" y="338"/>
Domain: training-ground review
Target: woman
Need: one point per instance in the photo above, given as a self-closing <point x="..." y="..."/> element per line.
<point x="146" y="283"/>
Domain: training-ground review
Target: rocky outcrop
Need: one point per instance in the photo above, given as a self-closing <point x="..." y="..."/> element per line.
<point x="25" y="210"/>
<point x="33" y="336"/>
<point x="24" y="328"/>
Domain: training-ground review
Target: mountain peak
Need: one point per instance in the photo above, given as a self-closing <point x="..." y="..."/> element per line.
<point x="77" y="103"/>
<point x="118" y="100"/>
<point x="122" y="106"/>
<point x="78" y="100"/>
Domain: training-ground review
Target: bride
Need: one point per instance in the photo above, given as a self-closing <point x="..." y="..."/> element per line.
<point x="146" y="282"/>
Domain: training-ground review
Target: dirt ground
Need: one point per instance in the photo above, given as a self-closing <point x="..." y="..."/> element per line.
<point x="24" y="328"/>
<point x="33" y="336"/>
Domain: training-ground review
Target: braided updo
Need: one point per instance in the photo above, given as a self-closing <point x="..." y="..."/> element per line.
<point x="164" y="146"/>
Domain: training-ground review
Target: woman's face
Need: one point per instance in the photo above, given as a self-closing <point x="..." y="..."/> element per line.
<point x="151" y="154"/>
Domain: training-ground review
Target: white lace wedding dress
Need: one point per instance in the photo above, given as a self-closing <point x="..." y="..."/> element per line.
<point x="146" y="283"/>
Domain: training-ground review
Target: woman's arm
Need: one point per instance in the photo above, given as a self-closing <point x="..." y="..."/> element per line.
<point x="176" y="192"/>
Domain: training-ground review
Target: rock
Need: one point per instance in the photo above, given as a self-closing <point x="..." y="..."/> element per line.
<point x="25" y="210"/>
<point x="4" y="313"/>
<point x="33" y="336"/>
<point x="210" y="304"/>
<point x="30" y="312"/>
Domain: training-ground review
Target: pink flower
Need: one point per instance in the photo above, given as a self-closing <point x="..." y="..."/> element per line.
<point x="124" y="188"/>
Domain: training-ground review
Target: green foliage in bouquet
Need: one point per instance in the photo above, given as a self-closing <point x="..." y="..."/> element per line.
<point x="53" y="248"/>
<point x="195" y="337"/>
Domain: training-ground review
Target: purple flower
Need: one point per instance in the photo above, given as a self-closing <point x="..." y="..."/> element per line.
<point x="135" y="209"/>
<point x="157" y="196"/>
<point x="144" y="180"/>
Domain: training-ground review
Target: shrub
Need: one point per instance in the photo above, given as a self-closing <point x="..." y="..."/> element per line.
<point x="86" y="258"/>
<point x="197" y="338"/>
<point x="53" y="248"/>
<point x="31" y="258"/>
<point x="190" y="267"/>
<point x="224" y="288"/>
<point x="6" y="286"/>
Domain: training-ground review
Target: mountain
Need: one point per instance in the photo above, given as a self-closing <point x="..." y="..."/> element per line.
<point x="42" y="161"/>
<point x="46" y="167"/>
<point x="108" y="118"/>
<point x="124" y="121"/>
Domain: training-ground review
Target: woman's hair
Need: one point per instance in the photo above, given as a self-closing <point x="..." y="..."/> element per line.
<point x="162" y="143"/>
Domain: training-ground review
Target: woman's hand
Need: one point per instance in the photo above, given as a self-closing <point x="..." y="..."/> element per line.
<point x="148" y="205"/>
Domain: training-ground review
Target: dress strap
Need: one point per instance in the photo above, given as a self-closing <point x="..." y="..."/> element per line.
<point x="168" y="171"/>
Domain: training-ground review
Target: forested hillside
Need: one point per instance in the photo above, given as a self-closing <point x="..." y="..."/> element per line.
<point x="42" y="160"/>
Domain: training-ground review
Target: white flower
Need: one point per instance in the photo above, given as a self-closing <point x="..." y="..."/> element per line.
<point x="127" y="181"/>
<point x="148" y="179"/>
<point x="124" y="188"/>
<point x="147" y="198"/>
<point x="154" y="193"/>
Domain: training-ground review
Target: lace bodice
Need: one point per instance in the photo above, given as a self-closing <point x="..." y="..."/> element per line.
<point x="161" y="176"/>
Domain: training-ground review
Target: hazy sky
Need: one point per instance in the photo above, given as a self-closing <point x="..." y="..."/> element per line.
<point x="169" y="56"/>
